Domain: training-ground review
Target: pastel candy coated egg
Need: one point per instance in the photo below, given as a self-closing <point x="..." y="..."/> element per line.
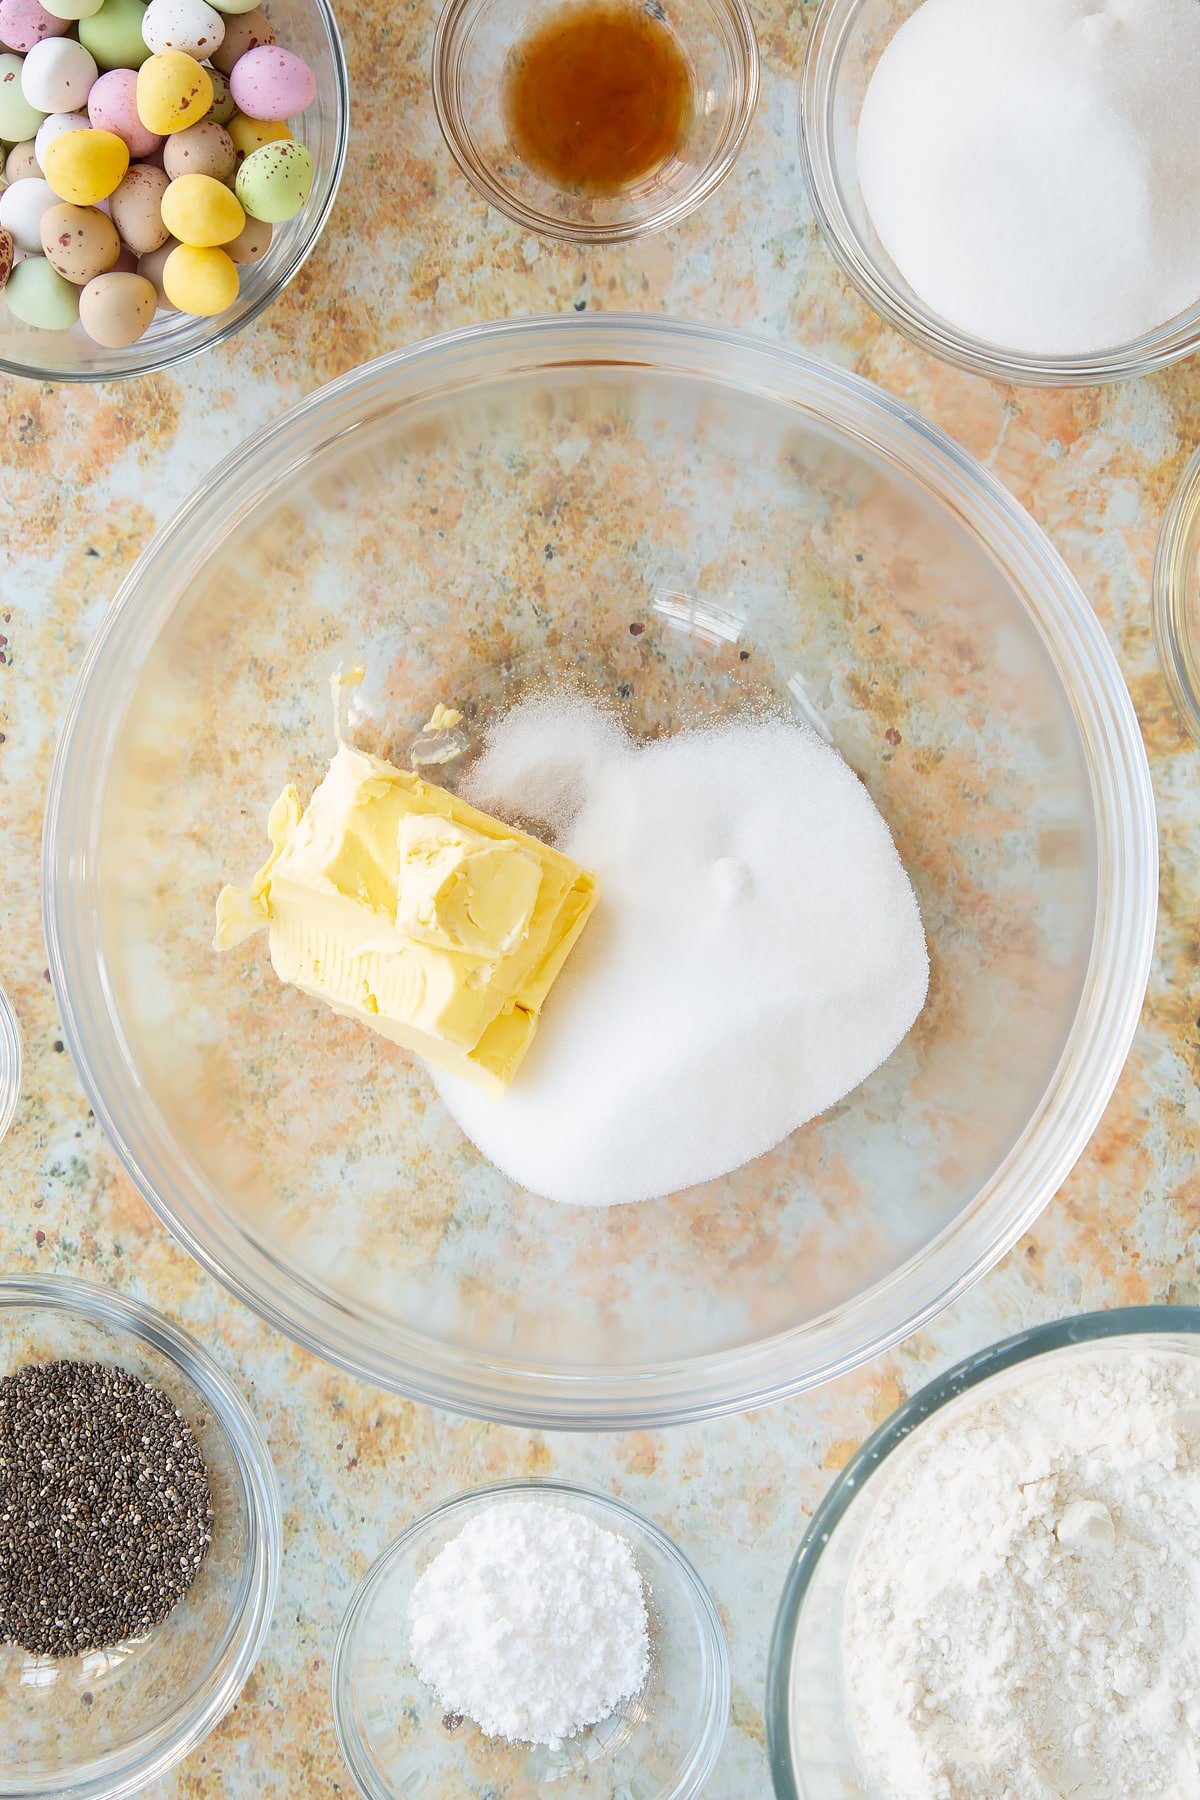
<point x="249" y="31"/>
<point x="79" y="242"/>
<point x="116" y="309"/>
<point x="251" y="134"/>
<point x="173" y="92"/>
<point x="273" y="183"/>
<point x="21" y="207"/>
<point x="126" y="263"/>
<point x="272" y="83"/>
<point x="136" y="208"/>
<point x="200" y="280"/>
<point x="38" y="295"/>
<point x="85" y="166"/>
<point x="24" y="23"/>
<point x="251" y="243"/>
<point x="203" y="149"/>
<point x="74" y="9"/>
<point x="231" y="7"/>
<point x="18" y="119"/>
<point x="21" y="162"/>
<point x="8" y="252"/>
<point x="114" y="34"/>
<point x="58" y="75"/>
<point x="53" y="126"/>
<point x="222" y="108"/>
<point x="152" y="266"/>
<point x="201" y="212"/>
<point x="112" y="106"/>
<point x="188" y="25"/>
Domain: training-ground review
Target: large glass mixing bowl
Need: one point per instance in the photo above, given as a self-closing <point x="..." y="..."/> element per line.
<point x="691" y="523"/>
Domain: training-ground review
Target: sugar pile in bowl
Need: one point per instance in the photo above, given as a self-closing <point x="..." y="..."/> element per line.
<point x="1032" y="167"/>
<point x="756" y="952"/>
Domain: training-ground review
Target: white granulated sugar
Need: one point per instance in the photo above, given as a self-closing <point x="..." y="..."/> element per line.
<point x="532" y="1622"/>
<point x="1023" y="1616"/>
<point x="1033" y="166"/>
<point x="757" y="950"/>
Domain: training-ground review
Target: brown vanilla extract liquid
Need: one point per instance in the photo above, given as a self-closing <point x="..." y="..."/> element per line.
<point x="599" y="96"/>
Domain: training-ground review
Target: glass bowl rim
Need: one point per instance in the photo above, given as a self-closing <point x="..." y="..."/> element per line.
<point x="11" y="1063"/>
<point x="626" y="1519"/>
<point x="828" y="37"/>
<point x="444" y="62"/>
<point x="152" y="363"/>
<point x="1161" y="1320"/>
<point x="1178" y="652"/>
<point x="757" y="1372"/>
<point x="145" y="1758"/>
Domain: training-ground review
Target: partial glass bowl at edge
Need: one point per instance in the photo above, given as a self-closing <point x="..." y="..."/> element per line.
<point x="662" y="1746"/>
<point x="809" y="1736"/>
<point x="110" y="1723"/>
<point x="309" y="28"/>
<point x="1176" y="596"/>
<point x="691" y="523"/>
<point x="845" y="42"/>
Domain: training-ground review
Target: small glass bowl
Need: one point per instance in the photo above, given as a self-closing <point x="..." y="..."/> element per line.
<point x="809" y="1735"/>
<point x="663" y="1746"/>
<point x="846" y="41"/>
<point x="307" y="27"/>
<point x="108" y="1723"/>
<point x="10" y="1063"/>
<point x="1176" y="591"/>
<point x="471" y="48"/>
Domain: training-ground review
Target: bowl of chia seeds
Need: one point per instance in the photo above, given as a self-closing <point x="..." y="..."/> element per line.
<point x="140" y="1542"/>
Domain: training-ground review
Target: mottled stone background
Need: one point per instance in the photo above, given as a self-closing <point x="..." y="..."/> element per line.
<point x="89" y="473"/>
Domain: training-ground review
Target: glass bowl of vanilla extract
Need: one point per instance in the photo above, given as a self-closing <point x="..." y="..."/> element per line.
<point x="595" y="120"/>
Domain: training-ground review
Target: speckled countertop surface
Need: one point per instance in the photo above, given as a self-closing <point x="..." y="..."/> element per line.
<point x="88" y="474"/>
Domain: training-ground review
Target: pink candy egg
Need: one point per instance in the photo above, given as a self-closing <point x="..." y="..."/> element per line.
<point x="112" y="106"/>
<point x="23" y="23"/>
<point x="272" y="83"/>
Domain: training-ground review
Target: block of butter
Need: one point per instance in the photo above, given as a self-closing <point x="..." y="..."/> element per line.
<point x="401" y="906"/>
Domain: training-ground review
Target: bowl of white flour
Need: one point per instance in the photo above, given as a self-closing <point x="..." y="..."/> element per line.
<point x="1000" y="1595"/>
<point x="1013" y="183"/>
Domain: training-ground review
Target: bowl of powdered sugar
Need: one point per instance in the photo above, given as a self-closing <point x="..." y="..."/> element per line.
<point x="1001" y="1592"/>
<point x="531" y="1638"/>
<point x="1013" y="183"/>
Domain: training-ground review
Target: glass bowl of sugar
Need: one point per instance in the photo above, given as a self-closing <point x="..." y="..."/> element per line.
<point x="1005" y="1576"/>
<point x="1037" y="227"/>
<point x="109" y="1722"/>
<point x="400" y="1739"/>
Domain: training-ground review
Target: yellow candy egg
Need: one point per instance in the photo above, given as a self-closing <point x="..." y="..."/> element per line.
<point x="201" y="211"/>
<point x="84" y="167"/>
<point x="251" y="134"/>
<point x="199" y="280"/>
<point x="173" y="92"/>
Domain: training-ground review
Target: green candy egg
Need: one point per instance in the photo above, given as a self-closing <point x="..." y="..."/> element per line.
<point x="38" y="295"/>
<point x="223" y="103"/>
<point x="18" y="120"/>
<point x="274" y="182"/>
<point x="114" y="35"/>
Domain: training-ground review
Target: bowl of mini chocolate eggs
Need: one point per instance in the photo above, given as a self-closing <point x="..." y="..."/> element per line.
<point x="168" y="166"/>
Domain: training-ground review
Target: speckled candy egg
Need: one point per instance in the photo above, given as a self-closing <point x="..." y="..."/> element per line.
<point x="38" y="295"/>
<point x="272" y="83"/>
<point x="112" y="106"/>
<point x="173" y="92"/>
<point x="114" y="34"/>
<point x="250" y="135"/>
<point x="8" y="253"/>
<point x="250" y="31"/>
<point x="21" y="162"/>
<point x="201" y="212"/>
<point x="203" y="149"/>
<point x="222" y="108"/>
<point x="58" y="75"/>
<point x="152" y="265"/>
<point x="21" y="207"/>
<point x="251" y="243"/>
<point x="85" y="166"/>
<point x="188" y="25"/>
<point x="273" y="183"/>
<point x="229" y="8"/>
<point x="18" y="119"/>
<point x="117" y="309"/>
<point x="136" y="208"/>
<point x="24" y="23"/>
<point x="74" y="9"/>
<point x="79" y="242"/>
<point x="54" y="125"/>
<point x="200" y="280"/>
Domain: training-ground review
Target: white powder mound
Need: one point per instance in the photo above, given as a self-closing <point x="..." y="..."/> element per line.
<point x="1023" y="1616"/>
<point x="1033" y="166"/>
<point x="532" y="1622"/>
<point x="757" y="950"/>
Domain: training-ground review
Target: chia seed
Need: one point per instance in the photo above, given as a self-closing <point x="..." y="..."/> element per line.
<point x="105" y="1507"/>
